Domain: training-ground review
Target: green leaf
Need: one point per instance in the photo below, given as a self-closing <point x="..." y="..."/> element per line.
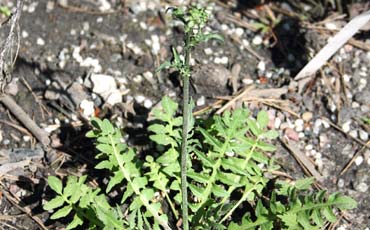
<point x="345" y="203"/>
<point x="104" y="165"/>
<point x="169" y="106"/>
<point x="162" y="139"/>
<point x="54" y="203"/>
<point x="271" y="134"/>
<point x="61" y="212"/>
<point x="107" y="127"/>
<point x="164" y="65"/>
<point x="55" y="184"/>
<point x="252" y="125"/>
<point x="198" y="177"/>
<point x="77" y="221"/>
<point x="105" y="148"/>
<point x="157" y="128"/>
<point x="262" y="119"/>
<point x="328" y="213"/>
<point x="304" y="184"/>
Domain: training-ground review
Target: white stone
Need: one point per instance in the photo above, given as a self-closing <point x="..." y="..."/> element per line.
<point x="363" y="135"/>
<point x="106" y="86"/>
<point x="104" y="5"/>
<point x="24" y="34"/>
<point x="346" y="78"/>
<point x="247" y="81"/>
<point x="114" y="97"/>
<point x="355" y="105"/>
<point x="346" y="126"/>
<point x="140" y="99"/>
<point x="301" y="135"/>
<point x="353" y="133"/>
<point x="148" y="103"/>
<point x="257" y="40"/>
<point x="26" y="138"/>
<point x="155" y="44"/>
<point x="92" y="62"/>
<point x="359" y="160"/>
<point x="40" y="42"/>
<point x="261" y="66"/>
<point x="308" y="147"/>
<point x="340" y="183"/>
<point x="208" y="51"/>
<point x="277" y="123"/>
<point x="87" y="108"/>
<point x="143" y="25"/>
<point x="201" y="101"/>
<point x="362" y="187"/>
<point x="330" y="26"/>
<point x="99" y="20"/>
<point x="239" y="32"/>
<point x="298" y="122"/>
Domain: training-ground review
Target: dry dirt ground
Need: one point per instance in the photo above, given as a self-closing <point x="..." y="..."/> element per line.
<point x="64" y="45"/>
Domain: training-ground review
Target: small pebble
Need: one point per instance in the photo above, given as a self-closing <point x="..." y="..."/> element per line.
<point x="148" y="103"/>
<point x="363" y="135"/>
<point x="40" y="42"/>
<point x="139" y="99"/>
<point x="340" y="183"/>
<point x="346" y="126"/>
<point x="301" y="135"/>
<point x="353" y="133"/>
<point x="24" y="34"/>
<point x="330" y="26"/>
<point x="359" y="160"/>
<point x="6" y="142"/>
<point x="87" y="108"/>
<point x="308" y="147"/>
<point x="261" y="66"/>
<point x="208" y="51"/>
<point x="201" y="101"/>
<point x="26" y="138"/>
<point x="362" y="187"/>
<point x="138" y="79"/>
<point x="307" y="116"/>
<point x="257" y="40"/>
<point x="247" y="81"/>
<point x="277" y="123"/>
<point x="239" y="32"/>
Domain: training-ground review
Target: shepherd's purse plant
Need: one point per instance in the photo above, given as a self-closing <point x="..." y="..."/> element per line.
<point x="201" y="174"/>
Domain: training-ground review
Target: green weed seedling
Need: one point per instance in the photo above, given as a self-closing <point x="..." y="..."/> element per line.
<point x="216" y="168"/>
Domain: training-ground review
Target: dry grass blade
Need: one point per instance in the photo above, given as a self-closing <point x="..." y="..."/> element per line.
<point x="334" y="44"/>
<point x="307" y="165"/>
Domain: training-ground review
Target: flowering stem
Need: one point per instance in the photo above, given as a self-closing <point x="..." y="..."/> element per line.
<point x="185" y="131"/>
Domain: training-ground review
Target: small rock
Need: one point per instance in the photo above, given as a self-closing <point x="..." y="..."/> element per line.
<point x="24" y="34"/>
<point x="247" y="81"/>
<point x="340" y="183"/>
<point x="353" y="133"/>
<point x="363" y="135"/>
<point x="307" y="116"/>
<point x="346" y="126"/>
<point x="301" y="135"/>
<point x="359" y="160"/>
<point x="40" y="42"/>
<point x="239" y="32"/>
<point x="308" y="147"/>
<point x="148" y="103"/>
<point x="324" y="140"/>
<point x="261" y="66"/>
<point x="139" y="99"/>
<point x="291" y="134"/>
<point x="257" y="40"/>
<point x="201" y="101"/>
<point x="26" y="138"/>
<point x="362" y="187"/>
<point x="105" y="86"/>
<point x="277" y="123"/>
<point x="208" y="51"/>
<point x="87" y="108"/>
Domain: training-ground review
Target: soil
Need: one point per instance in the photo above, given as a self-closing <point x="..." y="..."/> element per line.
<point x="64" y="43"/>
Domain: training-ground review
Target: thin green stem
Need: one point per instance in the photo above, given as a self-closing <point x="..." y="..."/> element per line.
<point x="184" y="143"/>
